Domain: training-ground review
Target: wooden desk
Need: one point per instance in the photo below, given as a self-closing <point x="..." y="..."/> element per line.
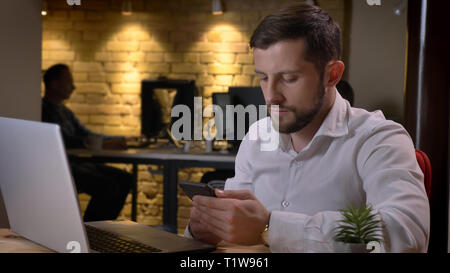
<point x="231" y="248"/>
<point x="13" y="243"/>
<point x="172" y="159"/>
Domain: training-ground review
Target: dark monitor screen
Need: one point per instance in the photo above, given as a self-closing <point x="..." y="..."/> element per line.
<point x="247" y="96"/>
<point x="244" y="96"/>
<point x="222" y="100"/>
<point x="154" y="119"/>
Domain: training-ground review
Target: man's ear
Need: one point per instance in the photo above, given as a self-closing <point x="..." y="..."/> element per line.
<point x="333" y="73"/>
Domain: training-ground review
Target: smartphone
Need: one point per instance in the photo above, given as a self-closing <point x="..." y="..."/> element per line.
<point x="191" y="189"/>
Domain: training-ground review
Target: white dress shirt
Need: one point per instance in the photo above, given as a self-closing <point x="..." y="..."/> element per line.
<point x="356" y="157"/>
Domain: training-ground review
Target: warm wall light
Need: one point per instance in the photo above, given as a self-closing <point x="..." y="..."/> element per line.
<point x="217" y="8"/>
<point x="44" y="8"/>
<point x="127" y="7"/>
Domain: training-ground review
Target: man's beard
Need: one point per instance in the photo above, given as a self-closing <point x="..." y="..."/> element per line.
<point x="301" y="118"/>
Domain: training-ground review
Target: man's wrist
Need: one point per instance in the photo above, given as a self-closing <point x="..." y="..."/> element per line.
<point x="265" y="233"/>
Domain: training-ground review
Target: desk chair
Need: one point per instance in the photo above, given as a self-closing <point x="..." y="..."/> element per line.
<point x="217" y="175"/>
<point x="425" y="166"/>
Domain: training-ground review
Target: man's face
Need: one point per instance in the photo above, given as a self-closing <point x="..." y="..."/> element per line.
<point x="66" y="82"/>
<point x="64" y="85"/>
<point x="291" y="82"/>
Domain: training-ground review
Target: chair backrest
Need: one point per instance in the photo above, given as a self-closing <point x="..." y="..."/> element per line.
<point x="425" y="165"/>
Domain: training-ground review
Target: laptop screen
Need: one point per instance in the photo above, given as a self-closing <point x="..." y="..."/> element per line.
<point x="37" y="187"/>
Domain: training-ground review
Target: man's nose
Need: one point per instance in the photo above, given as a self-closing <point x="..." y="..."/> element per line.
<point x="273" y="94"/>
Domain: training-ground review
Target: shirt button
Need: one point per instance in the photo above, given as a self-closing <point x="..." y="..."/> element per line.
<point x="285" y="204"/>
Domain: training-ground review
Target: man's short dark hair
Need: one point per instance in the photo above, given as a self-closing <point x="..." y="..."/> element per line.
<point x="321" y="33"/>
<point x="54" y="73"/>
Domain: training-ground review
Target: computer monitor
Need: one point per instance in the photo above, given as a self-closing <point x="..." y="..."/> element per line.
<point x="247" y="95"/>
<point x="244" y="96"/>
<point x="154" y="122"/>
<point x="222" y="100"/>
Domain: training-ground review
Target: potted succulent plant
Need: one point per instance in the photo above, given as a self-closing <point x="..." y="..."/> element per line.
<point x="358" y="228"/>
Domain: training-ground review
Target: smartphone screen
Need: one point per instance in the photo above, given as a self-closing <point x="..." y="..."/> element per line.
<point x="191" y="189"/>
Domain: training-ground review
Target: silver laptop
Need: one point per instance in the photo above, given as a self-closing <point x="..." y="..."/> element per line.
<point x="42" y="204"/>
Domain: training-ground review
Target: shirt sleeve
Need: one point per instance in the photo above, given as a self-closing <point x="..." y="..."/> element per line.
<point x="242" y="179"/>
<point x="394" y="185"/>
<point x="187" y="233"/>
<point x="82" y="132"/>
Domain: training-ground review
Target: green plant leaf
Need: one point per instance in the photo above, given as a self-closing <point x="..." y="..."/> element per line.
<point x="358" y="225"/>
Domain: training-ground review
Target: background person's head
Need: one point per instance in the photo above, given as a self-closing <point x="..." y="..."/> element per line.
<point x="58" y="83"/>
<point x="297" y="52"/>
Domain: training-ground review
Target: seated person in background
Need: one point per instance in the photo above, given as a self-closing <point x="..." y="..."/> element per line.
<point x="216" y="175"/>
<point x="328" y="156"/>
<point x="107" y="186"/>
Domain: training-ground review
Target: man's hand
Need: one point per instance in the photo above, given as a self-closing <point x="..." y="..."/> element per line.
<point x="199" y="231"/>
<point x="235" y="216"/>
<point x="114" y="144"/>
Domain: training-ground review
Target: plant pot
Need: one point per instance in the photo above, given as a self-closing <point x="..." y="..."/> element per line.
<point x="340" y="247"/>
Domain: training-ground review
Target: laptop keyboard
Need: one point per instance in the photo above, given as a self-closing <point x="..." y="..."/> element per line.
<point x="108" y="242"/>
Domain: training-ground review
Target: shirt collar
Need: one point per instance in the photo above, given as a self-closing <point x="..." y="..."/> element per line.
<point x="334" y="125"/>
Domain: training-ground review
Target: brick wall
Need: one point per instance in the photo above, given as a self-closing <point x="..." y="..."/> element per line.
<point x="110" y="53"/>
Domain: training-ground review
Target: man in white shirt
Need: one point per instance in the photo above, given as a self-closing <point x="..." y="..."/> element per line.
<point x="329" y="155"/>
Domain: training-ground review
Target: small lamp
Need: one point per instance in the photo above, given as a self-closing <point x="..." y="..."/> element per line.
<point x="217" y="8"/>
<point x="127" y="8"/>
<point x="44" y="8"/>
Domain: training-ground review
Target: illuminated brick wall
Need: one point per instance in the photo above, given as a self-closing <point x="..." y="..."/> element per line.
<point x="110" y="53"/>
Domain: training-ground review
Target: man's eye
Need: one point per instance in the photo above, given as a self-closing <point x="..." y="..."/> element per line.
<point x="262" y="78"/>
<point x="289" y="80"/>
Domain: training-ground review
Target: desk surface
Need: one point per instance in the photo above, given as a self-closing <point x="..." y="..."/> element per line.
<point x="158" y="153"/>
<point x="13" y="243"/>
